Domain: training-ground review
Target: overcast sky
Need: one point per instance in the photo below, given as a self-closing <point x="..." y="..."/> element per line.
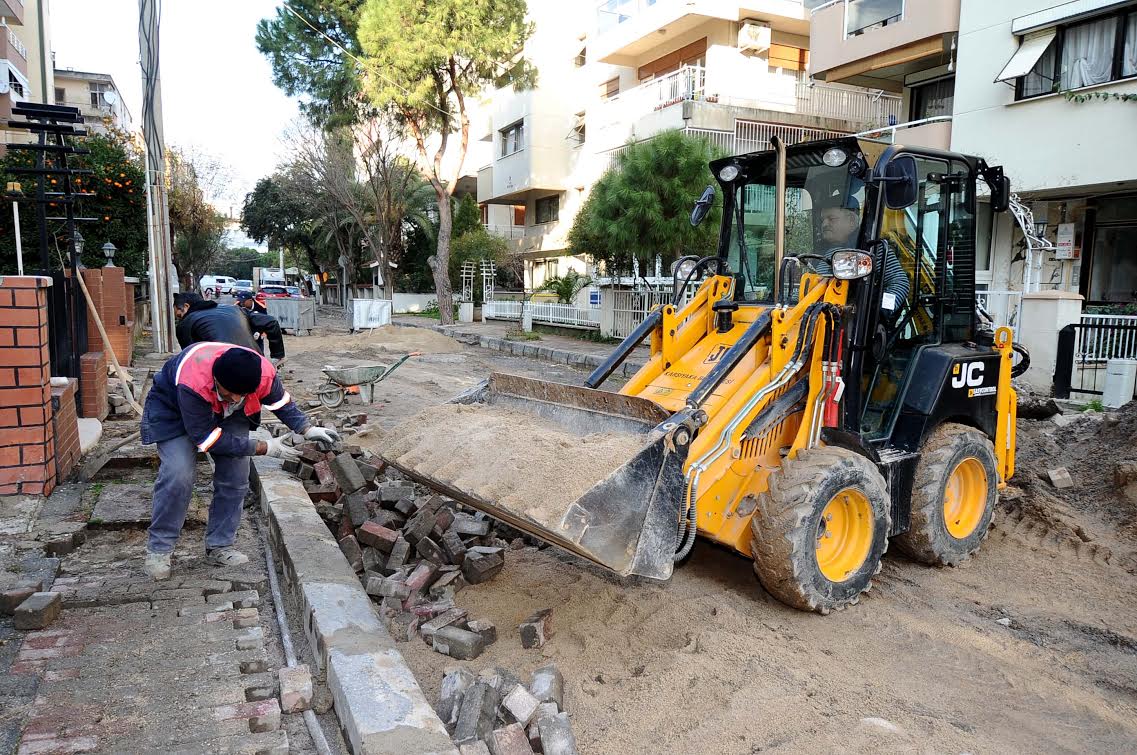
<point x="217" y="91"/>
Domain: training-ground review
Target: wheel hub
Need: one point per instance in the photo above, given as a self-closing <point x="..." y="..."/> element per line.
<point x="844" y="535"/>
<point x="965" y="498"/>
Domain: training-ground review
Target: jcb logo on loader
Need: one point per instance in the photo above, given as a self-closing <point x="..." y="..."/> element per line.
<point x="716" y="354"/>
<point x="970" y="374"/>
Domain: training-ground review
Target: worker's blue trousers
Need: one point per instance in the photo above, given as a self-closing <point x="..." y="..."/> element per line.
<point x="174" y="488"/>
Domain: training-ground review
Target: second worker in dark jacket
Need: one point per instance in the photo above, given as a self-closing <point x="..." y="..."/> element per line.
<point x="200" y="320"/>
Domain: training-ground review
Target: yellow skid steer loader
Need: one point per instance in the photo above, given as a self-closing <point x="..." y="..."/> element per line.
<point x="827" y="387"/>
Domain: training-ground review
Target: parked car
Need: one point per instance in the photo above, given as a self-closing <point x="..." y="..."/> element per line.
<point x="242" y="287"/>
<point x="294" y="292"/>
<point x="216" y="285"/>
<point x="275" y="292"/>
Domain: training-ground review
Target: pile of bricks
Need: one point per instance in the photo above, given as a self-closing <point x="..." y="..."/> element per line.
<point x="413" y="550"/>
<point x="494" y="712"/>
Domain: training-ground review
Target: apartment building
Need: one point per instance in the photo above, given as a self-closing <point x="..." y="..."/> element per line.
<point x="1023" y="66"/>
<point x="621" y="71"/>
<point x="97" y="97"/>
<point x="26" y="57"/>
<point x="904" y="47"/>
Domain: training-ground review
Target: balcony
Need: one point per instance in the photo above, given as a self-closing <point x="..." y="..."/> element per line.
<point x="14" y="51"/>
<point x="627" y="29"/>
<point x="12" y="12"/>
<point x="875" y="44"/>
<point x="546" y="238"/>
<point x="738" y="84"/>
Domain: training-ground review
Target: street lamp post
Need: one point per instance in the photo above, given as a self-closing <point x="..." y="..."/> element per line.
<point x="108" y="252"/>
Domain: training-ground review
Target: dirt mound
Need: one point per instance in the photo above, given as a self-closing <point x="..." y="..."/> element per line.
<point x="389" y="339"/>
<point x="1089" y="445"/>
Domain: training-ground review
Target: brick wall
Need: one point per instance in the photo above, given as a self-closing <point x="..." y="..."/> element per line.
<point x="93" y="385"/>
<point x="66" y="427"/>
<point x="115" y="305"/>
<point x="27" y="438"/>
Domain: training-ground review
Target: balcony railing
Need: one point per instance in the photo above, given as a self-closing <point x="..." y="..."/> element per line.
<point x="774" y="92"/>
<point x="17" y="45"/>
<point x="505" y="231"/>
<point x="888" y="133"/>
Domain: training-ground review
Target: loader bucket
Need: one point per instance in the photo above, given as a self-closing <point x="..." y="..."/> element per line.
<point x="482" y="450"/>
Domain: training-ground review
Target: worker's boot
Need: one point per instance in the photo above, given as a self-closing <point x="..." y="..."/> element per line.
<point x="227" y="556"/>
<point x="157" y="565"/>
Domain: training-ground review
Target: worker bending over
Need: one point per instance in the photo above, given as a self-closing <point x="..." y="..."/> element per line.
<point x="207" y="398"/>
<point x="200" y="320"/>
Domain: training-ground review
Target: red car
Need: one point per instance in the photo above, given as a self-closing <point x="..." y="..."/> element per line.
<point x="274" y="292"/>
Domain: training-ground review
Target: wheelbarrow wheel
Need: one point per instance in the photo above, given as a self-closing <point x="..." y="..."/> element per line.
<point x="331" y="395"/>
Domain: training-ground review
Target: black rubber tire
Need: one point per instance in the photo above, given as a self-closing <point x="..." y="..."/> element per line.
<point x="927" y="538"/>
<point x="784" y="528"/>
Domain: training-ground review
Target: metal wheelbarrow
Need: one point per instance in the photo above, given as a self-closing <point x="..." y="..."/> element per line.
<point x="361" y="380"/>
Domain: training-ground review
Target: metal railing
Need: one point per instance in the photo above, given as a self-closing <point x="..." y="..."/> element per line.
<point x="1085" y="348"/>
<point x="17" y="45"/>
<point x="630" y="308"/>
<point x="860" y="105"/>
<point x="543" y="312"/>
<point x="751" y="136"/>
<point x="888" y="133"/>
<point x="1003" y="307"/>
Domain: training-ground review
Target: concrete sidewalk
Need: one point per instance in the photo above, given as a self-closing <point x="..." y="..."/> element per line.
<point x="549" y="347"/>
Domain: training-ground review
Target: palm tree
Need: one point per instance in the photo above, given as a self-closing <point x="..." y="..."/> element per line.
<point x="566" y="287"/>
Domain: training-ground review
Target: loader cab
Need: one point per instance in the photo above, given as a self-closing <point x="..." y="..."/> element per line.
<point x="913" y="211"/>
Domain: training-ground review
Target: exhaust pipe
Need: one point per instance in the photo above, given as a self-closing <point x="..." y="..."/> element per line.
<point x="779" y="214"/>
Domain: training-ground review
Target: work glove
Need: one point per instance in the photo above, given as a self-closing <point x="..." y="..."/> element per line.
<point x="278" y="450"/>
<point x="322" y="435"/>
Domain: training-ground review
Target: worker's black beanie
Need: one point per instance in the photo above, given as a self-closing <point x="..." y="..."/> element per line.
<point x="238" y="370"/>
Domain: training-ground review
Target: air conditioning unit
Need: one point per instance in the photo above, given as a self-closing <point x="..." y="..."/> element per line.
<point x="754" y="37"/>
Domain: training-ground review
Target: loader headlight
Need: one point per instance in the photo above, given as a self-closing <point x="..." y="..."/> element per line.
<point x="680" y="270"/>
<point x="728" y="173"/>
<point x="834" y="157"/>
<point x="849" y="264"/>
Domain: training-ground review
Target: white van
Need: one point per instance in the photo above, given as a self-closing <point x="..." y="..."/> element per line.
<point x="213" y="285"/>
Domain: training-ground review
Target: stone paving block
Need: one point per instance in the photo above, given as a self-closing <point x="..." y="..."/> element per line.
<point x="478" y="568"/>
<point x="536" y="629"/>
<point x="38" y="611"/>
<point x="399" y="552"/>
<point x="242" y="599"/>
<point x="455" y="681"/>
<point x="250" y="638"/>
<point x="377" y="536"/>
<point x="431" y="551"/>
<point x="355" y="509"/>
<point x="485" y="628"/>
<point x="521" y="705"/>
<point x="474" y="748"/>
<point x="123" y="505"/>
<point x="447" y="585"/>
<point x="324" y="473"/>
<point x="461" y="644"/>
<point x="476" y="713"/>
<point x="509" y="740"/>
<point x="347" y="473"/>
<point x="445" y="619"/>
<point x="548" y="686"/>
<point x="556" y="735"/>
<point x="12" y="597"/>
<point x="267" y="743"/>
<point x="351" y="550"/>
<point x="453" y="547"/>
<point x="421" y="577"/>
<point x="295" y="688"/>
<point x="263" y="715"/>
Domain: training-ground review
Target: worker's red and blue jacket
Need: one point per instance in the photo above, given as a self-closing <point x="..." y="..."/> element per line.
<point x="184" y="401"/>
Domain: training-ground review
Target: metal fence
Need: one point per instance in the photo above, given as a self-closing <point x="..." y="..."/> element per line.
<point x="1084" y="348"/>
<point x="543" y="312"/>
<point x="753" y="136"/>
<point x="630" y="308"/>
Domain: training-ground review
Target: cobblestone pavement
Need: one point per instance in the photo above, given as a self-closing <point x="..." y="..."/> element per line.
<point x="185" y="665"/>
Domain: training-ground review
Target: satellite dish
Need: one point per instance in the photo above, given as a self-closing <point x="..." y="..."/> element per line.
<point x="110" y="97"/>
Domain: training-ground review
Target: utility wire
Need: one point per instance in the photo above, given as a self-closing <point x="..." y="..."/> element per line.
<point x="359" y="60"/>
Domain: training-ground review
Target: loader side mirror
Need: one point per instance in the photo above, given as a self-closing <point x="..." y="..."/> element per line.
<point x="703" y="206"/>
<point x="901" y="182"/>
<point x="1001" y="194"/>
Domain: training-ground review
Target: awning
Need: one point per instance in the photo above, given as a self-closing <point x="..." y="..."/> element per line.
<point x="1031" y="49"/>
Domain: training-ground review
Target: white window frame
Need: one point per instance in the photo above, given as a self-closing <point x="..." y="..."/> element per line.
<point x="845" y="17"/>
<point x="517" y="128"/>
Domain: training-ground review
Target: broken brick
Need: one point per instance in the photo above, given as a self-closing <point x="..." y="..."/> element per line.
<point x="295" y="688"/>
<point x="536" y="629"/>
<point x="476" y="713"/>
<point x="355" y="506"/>
<point x="12" y="597"/>
<point x="324" y="473"/>
<point x="548" y="686"/>
<point x="399" y="552"/>
<point x="369" y="471"/>
<point x="377" y="536"/>
<point x="350" y="547"/>
<point x="404" y="506"/>
<point x="306" y="471"/>
<point x="431" y="551"/>
<point x="373" y="559"/>
<point x="455" y="681"/>
<point x="520" y="704"/>
<point x="419" y="526"/>
<point x="421" y="576"/>
<point x="509" y="740"/>
<point x="389" y="519"/>
<point x="402" y="625"/>
<point x="444" y="619"/>
<point x="478" y="568"/>
<point x="447" y="585"/>
<point x="453" y="547"/>
<point x="322" y="492"/>
<point x="485" y="628"/>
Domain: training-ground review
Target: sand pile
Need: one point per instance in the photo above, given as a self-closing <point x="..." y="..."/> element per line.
<point x="508" y="457"/>
<point x="389" y="339"/>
